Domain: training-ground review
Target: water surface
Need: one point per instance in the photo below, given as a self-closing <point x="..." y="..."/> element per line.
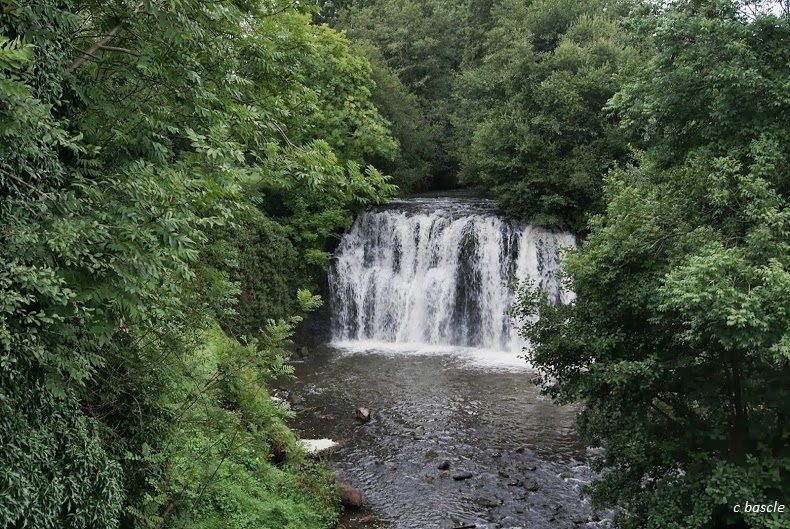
<point x="433" y="407"/>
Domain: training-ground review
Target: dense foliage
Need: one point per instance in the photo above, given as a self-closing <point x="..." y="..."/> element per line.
<point x="417" y="47"/>
<point x="530" y="122"/>
<point x="679" y="341"/>
<point x="160" y="161"/>
<point x="503" y="96"/>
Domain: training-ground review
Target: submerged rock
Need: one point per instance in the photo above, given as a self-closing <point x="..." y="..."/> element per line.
<point x="488" y="503"/>
<point x="531" y="484"/>
<point x="460" y="476"/>
<point x="444" y="465"/>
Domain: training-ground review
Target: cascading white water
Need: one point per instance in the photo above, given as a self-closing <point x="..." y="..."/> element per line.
<point x="438" y="272"/>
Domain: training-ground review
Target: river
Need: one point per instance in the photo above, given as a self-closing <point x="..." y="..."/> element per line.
<point x="421" y="336"/>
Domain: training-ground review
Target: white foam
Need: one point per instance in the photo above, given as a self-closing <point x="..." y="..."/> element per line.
<point x="316" y="446"/>
<point x="415" y="279"/>
<point x="469" y="356"/>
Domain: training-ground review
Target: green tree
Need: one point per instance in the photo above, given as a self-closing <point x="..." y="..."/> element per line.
<point x="678" y="341"/>
<point x="422" y="43"/>
<point x="144" y="146"/>
<point x="529" y="116"/>
<point x="411" y="167"/>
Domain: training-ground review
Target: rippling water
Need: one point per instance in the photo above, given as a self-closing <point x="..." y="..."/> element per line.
<point x="445" y="406"/>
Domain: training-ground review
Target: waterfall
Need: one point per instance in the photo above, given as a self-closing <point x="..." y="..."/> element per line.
<point x="438" y="272"/>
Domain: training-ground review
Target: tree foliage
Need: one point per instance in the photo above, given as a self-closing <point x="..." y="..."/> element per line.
<point x="678" y="341"/>
<point x="145" y="147"/>
<point x="421" y="45"/>
<point x="530" y="122"/>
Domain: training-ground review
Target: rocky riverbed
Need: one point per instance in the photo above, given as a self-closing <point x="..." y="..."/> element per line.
<point x="450" y="443"/>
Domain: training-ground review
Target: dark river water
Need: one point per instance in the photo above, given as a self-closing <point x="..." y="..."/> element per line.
<point x="484" y="418"/>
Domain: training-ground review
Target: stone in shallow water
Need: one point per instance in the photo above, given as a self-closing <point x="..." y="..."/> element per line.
<point x="349" y="496"/>
<point x="363" y="414"/>
<point x="460" y="476"/>
<point x="488" y="503"/>
<point x="444" y="465"/>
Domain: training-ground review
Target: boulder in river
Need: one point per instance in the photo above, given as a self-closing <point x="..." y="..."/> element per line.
<point x="460" y="476"/>
<point x="349" y="496"/>
<point x="444" y="465"/>
<point x="531" y="484"/>
<point x="363" y="414"/>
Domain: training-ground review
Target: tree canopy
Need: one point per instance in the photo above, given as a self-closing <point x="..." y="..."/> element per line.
<point x="160" y="161"/>
<point x="678" y="341"/>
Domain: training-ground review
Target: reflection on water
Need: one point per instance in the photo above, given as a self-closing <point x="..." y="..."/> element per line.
<point x="427" y="409"/>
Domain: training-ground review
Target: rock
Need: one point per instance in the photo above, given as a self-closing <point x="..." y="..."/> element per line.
<point x="515" y="483"/>
<point x="595" y="518"/>
<point x="496" y="455"/>
<point x="488" y="503"/>
<point x="366" y="520"/>
<point x="503" y="474"/>
<point x="316" y="446"/>
<point x="578" y="520"/>
<point x="531" y="468"/>
<point x="460" y="476"/>
<point x="444" y="465"/>
<point x="520" y="450"/>
<point x="349" y="496"/>
<point x="431" y="454"/>
<point x="531" y="484"/>
<point x="363" y="414"/>
<point x="297" y="400"/>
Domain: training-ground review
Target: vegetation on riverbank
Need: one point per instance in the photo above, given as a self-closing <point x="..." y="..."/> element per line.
<point x="679" y="341"/>
<point x="171" y="173"/>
